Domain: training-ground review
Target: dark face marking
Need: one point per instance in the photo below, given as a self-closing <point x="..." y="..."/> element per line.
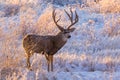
<point x="66" y="31"/>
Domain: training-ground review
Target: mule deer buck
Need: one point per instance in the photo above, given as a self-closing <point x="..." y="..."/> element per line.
<point x="49" y="44"/>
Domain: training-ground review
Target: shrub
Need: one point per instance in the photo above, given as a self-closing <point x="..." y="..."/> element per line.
<point x="107" y="6"/>
<point x="27" y="22"/>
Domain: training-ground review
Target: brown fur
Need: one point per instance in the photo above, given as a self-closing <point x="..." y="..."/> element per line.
<point x="37" y="44"/>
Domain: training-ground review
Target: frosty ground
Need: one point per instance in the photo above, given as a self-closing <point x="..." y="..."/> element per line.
<point x="92" y="53"/>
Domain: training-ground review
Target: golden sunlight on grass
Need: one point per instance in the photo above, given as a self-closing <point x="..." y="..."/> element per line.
<point x="108" y="6"/>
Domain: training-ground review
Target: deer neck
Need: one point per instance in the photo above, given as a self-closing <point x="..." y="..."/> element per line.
<point x="59" y="41"/>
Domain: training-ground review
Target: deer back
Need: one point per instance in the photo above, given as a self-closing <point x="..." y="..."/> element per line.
<point x="37" y="43"/>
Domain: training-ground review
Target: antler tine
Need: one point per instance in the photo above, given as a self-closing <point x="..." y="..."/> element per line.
<point x="76" y="19"/>
<point x="58" y="19"/>
<point x="68" y="15"/>
<point x="71" y="17"/>
<point x="71" y="14"/>
<point x="55" y="21"/>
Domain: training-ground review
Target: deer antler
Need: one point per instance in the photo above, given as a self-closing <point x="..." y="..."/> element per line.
<point x="71" y="18"/>
<point x="56" y="21"/>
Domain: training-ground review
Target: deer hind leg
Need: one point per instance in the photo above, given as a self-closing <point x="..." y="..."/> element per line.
<point x="28" y="61"/>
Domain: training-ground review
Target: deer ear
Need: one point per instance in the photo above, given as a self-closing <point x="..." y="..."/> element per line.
<point x="60" y="28"/>
<point x="71" y="29"/>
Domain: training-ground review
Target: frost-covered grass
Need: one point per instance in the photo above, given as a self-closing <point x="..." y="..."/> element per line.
<point x="93" y="52"/>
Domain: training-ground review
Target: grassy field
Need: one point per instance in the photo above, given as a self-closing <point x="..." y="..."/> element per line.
<point x="92" y="53"/>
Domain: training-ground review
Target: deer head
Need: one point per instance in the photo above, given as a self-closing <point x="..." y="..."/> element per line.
<point x="66" y="32"/>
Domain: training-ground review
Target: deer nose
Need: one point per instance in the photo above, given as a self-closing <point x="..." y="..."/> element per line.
<point x="69" y="36"/>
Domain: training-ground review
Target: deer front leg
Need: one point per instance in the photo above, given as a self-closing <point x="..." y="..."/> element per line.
<point x="51" y="62"/>
<point x="49" y="59"/>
